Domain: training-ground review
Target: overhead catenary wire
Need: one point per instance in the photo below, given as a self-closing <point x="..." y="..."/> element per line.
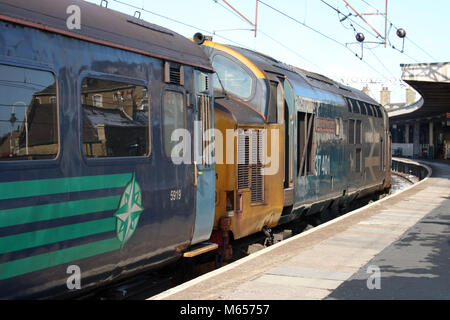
<point x="229" y="10"/>
<point x="381" y="62"/>
<point x="322" y="34"/>
<point x="302" y="23"/>
<point x="176" y="21"/>
<point x="348" y="17"/>
<point x="295" y="52"/>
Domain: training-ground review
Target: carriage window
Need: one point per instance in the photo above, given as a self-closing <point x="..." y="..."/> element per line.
<point x="305" y="145"/>
<point x="369" y="110"/>
<point x="173" y="118"/>
<point x="363" y="108"/>
<point x="234" y="78"/>
<point x="356" y="107"/>
<point x="351" y="131"/>
<point x="28" y="114"/>
<point x="378" y="111"/>
<point x="358" y="132"/>
<point x="349" y="105"/>
<point x="115" y="119"/>
<point x="358" y="160"/>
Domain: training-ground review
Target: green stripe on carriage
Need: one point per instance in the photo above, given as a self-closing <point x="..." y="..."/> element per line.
<point x="51" y="259"/>
<point x="11" y="217"/>
<point x="33" y="188"/>
<point x="52" y="235"/>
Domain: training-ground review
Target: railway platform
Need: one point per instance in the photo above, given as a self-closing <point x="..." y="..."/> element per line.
<point x="395" y="248"/>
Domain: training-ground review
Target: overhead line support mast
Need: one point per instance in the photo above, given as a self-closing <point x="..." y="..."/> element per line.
<point x="255" y="24"/>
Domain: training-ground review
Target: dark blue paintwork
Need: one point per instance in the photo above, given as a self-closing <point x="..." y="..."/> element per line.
<point x="165" y="227"/>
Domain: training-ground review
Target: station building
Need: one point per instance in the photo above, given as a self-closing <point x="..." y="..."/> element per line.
<point x="421" y="129"/>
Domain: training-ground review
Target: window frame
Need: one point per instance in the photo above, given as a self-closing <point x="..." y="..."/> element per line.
<point x="363" y="106"/>
<point x="94" y="102"/>
<point x="310" y="152"/>
<point x="358" y="160"/>
<point x="117" y="78"/>
<point x="356" y="107"/>
<point x="278" y="108"/>
<point x="370" y="111"/>
<point x="38" y="163"/>
<point x="243" y="67"/>
<point x="378" y="110"/>
<point x="351" y="141"/>
<point x="179" y="89"/>
<point x="349" y="105"/>
<point x="358" y="132"/>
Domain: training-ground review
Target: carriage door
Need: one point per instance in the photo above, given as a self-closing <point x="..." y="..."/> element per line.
<point x="203" y="159"/>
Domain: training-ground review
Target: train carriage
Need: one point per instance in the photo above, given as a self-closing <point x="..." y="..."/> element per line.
<point x="347" y="149"/>
<point x="88" y="181"/>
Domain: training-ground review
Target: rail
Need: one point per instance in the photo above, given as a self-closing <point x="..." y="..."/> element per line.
<point x="411" y="167"/>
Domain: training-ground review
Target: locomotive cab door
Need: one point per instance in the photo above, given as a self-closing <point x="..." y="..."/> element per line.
<point x="204" y="168"/>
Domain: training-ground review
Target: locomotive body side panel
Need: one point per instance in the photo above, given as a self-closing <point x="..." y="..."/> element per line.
<point x="110" y="215"/>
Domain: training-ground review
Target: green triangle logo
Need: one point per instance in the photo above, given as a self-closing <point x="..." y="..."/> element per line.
<point x="130" y="209"/>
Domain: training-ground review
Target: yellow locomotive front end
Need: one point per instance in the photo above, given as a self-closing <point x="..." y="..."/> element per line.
<point x="249" y="140"/>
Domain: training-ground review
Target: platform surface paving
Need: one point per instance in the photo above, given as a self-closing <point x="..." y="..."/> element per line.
<point x="397" y="248"/>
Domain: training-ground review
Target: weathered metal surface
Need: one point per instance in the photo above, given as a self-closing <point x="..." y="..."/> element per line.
<point x="72" y="210"/>
<point x="107" y="27"/>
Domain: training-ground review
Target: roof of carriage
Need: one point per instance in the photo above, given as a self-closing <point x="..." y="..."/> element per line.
<point x="107" y="27"/>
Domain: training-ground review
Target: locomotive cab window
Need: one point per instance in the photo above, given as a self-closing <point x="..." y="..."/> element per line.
<point x="234" y="78"/>
<point x="28" y="114"/>
<point x="115" y="119"/>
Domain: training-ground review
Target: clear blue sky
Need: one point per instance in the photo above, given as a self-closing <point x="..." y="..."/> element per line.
<point x="427" y="24"/>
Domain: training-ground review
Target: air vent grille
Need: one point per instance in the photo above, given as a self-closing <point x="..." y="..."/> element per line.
<point x="173" y="74"/>
<point x="250" y="163"/>
<point x="243" y="159"/>
<point x="257" y="186"/>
